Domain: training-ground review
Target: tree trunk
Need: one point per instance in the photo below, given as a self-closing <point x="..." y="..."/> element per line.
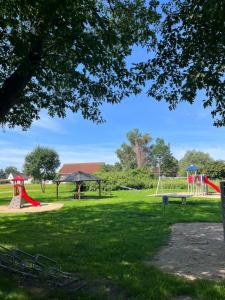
<point x="139" y="154"/>
<point x="15" y="84"/>
<point x="43" y="186"/>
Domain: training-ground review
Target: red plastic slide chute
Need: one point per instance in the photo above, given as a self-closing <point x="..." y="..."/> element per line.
<point x="215" y="187"/>
<point x="29" y="199"/>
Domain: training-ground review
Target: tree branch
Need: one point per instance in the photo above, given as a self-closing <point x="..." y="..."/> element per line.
<point x="15" y="84"/>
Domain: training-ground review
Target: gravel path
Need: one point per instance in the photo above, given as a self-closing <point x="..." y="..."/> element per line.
<point x="195" y="250"/>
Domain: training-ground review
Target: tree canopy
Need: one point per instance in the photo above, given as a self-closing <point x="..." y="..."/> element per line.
<point x="2" y="174"/>
<point x="140" y="145"/>
<point x="162" y="157"/>
<point x="69" y="55"/>
<point x="10" y="169"/>
<point x="136" y="152"/>
<point x="42" y="163"/>
<point x="215" y="169"/>
<point x="126" y="156"/>
<point x="191" y="56"/>
<point x="194" y="157"/>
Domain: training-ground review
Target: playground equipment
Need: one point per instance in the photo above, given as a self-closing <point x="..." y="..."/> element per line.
<point x="198" y="183"/>
<point x="20" y="194"/>
<point x="168" y="184"/>
<point x="215" y="187"/>
<point x="37" y="268"/>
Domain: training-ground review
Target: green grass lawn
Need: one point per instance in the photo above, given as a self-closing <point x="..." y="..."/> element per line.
<point x="107" y="241"/>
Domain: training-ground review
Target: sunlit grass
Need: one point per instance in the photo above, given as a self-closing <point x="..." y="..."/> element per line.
<point x="107" y="241"/>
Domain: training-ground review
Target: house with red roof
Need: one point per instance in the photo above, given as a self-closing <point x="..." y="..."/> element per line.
<point x="89" y="168"/>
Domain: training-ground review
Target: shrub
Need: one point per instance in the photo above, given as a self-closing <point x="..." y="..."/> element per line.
<point x="115" y="180"/>
<point x="134" y="178"/>
<point x="6" y="181"/>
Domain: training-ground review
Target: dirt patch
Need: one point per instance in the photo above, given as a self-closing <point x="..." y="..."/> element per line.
<point x="195" y="250"/>
<point x="31" y="209"/>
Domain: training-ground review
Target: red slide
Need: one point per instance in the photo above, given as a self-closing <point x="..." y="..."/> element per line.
<point x="215" y="187"/>
<point x="29" y="199"/>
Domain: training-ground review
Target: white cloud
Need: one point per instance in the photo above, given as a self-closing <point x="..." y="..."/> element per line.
<point x="15" y="130"/>
<point x="48" y="123"/>
<point x="14" y="156"/>
<point x="216" y="152"/>
<point x="11" y="154"/>
<point x="87" y="153"/>
<point x="45" y="123"/>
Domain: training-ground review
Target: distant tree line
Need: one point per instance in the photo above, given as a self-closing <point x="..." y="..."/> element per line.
<point x="41" y="164"/>
<point x="4" y="173"/>
<point x="140" y="152"/>
<point x="215" y="169"/>
<point x="139" y="155"/>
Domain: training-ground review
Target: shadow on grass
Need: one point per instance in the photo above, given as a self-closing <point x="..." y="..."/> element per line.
<point x="109" y="241"/>
<point x="46" y="198"/>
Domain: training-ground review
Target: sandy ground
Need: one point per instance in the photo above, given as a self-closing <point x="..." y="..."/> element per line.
<point x="213" y="196"/>
<point x="195" y="250"/>
<point x="31" y="209"/>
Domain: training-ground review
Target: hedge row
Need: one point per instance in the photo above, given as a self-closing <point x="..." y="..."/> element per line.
<point x="136" y="178"/>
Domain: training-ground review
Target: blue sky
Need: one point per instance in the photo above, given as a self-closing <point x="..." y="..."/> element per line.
<point x="77" y="140"/>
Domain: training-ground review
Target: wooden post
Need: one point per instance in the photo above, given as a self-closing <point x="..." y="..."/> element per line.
<point x="99" y="188"/>
<point x="75" y="193"/>
<point x="222" y="187"/>
<point x="57" y="189"/>
<point x="78" y="191"/>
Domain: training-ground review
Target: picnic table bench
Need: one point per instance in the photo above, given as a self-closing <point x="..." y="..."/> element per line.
<point x="165" y="197"/>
